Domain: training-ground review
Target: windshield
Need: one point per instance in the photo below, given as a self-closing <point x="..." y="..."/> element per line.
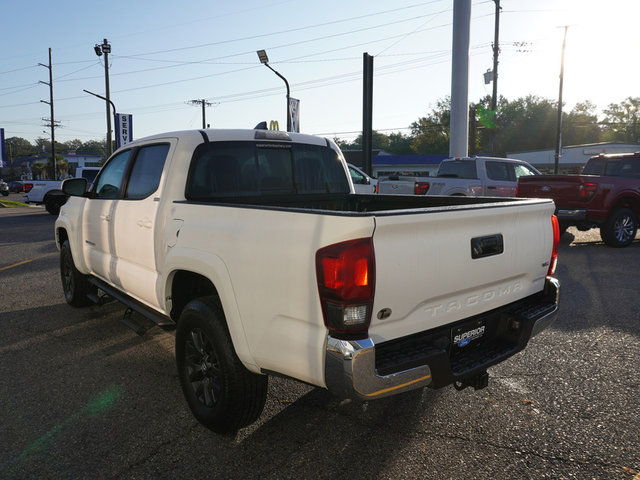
<point x="458" y="169"/>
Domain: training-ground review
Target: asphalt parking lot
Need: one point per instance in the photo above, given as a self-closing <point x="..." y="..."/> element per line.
<point x="83" y="396"/>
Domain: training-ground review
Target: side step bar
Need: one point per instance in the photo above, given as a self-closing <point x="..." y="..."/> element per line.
<point x="132" y="305"/>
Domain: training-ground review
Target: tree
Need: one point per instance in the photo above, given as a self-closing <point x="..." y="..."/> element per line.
<point x="72" y="145"/>
<point x="431" y="133"/>
<point x="527" y="123"/>
<point x="37" y="169"/>
<point x="92" y="147"/>
<point x="19" y="147"/>
<point x="580" y="126"/>
<point x="622" y="121"/>
<point x="400" y="144"/>
<point x="379" y="142"/>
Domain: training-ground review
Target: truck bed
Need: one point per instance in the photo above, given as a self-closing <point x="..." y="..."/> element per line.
<point x="350" y="204"/>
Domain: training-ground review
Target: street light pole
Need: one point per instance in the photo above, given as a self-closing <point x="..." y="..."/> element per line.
<point x="264" y="59"/>
<point x="113" y="105"/>
<point x="105" y="48"/>
<point x="558" y="153"/>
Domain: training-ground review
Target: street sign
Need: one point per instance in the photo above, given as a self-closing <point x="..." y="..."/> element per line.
<point x="3" y="159"/>
<point x="124" y="129"/>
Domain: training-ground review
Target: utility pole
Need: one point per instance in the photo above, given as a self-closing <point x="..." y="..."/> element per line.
<point x="52" y="122"/>
<point x="105" y="48"/>
<point x="204" y="104"/>
<point x="496" y="52"/>
<point x="459" y="123"/>
<point x="559" y="124"/>
<point x="367" y="113"/>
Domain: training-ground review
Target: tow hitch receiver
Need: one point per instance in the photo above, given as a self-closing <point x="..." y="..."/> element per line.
<point x="478" y="382"/>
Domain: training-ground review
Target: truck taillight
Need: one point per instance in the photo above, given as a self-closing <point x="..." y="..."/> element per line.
<point x="346" y="281"/>
<point x="587" y="190"/>
<point x="421" y="188"/>
<point x="28" y="187"/>
<point x="556" y="242"/>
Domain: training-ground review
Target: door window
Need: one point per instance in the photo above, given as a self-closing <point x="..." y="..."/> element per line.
<point x="499" y="171"/>
<point x="523" y="171"/>
<point x="112" y="176"/>
<point x="146" y="171"/>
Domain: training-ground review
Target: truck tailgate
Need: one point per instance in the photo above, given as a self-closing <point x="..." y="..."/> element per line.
<point x="426" y="273"/>
<point x="561" y="188"/>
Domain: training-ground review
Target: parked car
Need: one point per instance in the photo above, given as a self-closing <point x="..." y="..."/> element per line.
<point x="362" y="183"/>
<point x="4" y="188"/>
<point x="16" y="187"/>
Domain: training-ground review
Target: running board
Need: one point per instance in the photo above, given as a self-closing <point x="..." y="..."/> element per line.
<point x="132" y="305"/>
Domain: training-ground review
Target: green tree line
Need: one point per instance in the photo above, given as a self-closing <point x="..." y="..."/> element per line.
<point x="18" y="147"/>
<point x="527" y="123"/>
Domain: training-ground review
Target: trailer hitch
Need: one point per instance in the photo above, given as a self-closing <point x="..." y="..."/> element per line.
<point x="478" y="382"/>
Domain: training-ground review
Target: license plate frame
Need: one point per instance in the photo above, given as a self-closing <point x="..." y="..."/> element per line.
<point x="468" y="336"/>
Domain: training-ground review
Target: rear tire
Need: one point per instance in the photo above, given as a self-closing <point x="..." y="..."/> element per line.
<point x="222" y="394"/>
<point x="620" y="228"/>
<point x="75" y="285"/>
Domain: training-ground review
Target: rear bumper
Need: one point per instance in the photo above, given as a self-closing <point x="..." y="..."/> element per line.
<point x="361" y="369"/>
<point x="571" y="215"/>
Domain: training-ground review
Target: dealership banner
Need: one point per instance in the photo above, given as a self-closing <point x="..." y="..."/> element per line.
<point x="294" y="114"/>
<point x="124" y="129"/>
<point x="3" y="156"/>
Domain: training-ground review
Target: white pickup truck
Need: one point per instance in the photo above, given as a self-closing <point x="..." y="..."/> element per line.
<point x="253" y="244"/>
<point x="470" y="177"/>
<point x="49" y="192"/>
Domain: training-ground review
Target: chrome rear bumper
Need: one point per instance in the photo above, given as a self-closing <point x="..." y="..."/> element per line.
<point x="350" y="365"/>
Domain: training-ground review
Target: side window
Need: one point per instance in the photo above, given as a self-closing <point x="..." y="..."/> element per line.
<point x="318" y="170"/>
<point x="111" y="177"/>
<point x="357" y="177"/>
<point x="523" y="171"/>
<point x="498" y="171"/>
<point x="146" y="172"/>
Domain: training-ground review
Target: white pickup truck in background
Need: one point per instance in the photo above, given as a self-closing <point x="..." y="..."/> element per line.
<point x="362" y="183"/>
<point x="49" y="192"/>
<point x="254" y="245"/>
<point x="470" y="177"/>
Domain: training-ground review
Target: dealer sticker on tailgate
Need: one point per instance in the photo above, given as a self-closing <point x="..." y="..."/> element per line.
<point x="468" y="334"/>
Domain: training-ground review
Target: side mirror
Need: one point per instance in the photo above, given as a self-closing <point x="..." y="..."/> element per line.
<point x="75" y="187"/>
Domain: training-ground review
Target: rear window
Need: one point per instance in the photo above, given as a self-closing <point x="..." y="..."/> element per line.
<point x="595" y="166"/>
<point x="458" y="169"/>
<point x="231" y="169"/>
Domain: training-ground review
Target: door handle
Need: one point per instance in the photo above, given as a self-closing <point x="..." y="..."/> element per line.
<point x="145" y="223"/>
<point x="106" y="218"/>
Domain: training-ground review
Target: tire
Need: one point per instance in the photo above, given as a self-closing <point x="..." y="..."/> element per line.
<point x="222" y="394"/>
<point x="52" y="204"/>
<point x="620" y="228"/>
<point x="75" y="286"/>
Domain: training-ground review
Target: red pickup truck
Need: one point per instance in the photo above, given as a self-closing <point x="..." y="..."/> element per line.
<point x="606" y="196"/>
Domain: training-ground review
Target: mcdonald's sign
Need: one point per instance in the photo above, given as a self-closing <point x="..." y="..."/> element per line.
<point x="273" y="125"/>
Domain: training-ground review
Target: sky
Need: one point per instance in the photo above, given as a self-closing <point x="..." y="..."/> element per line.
<point x="165" y="54"/>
